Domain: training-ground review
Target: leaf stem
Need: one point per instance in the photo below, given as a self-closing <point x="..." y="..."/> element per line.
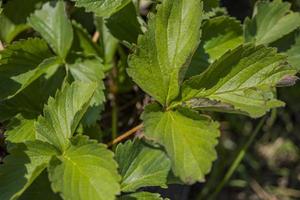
<point x="125" y="135"/>
<point x="238" y="159"/>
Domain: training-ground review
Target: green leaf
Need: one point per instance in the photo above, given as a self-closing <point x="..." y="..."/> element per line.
<point x="19" y="63"/>
<point x="102" y="8"/>
<point x="241" y="80"/>
<point x="141" y="196"/>
<point x="208" y="5"/>
<point x="294" y="54"/>
<point x="221" y="34"/>
<point x="165" y="50"/>
<point x="83" y="41"/>
<point x="22" y="166"/>
<point x="21" y="129"/>
<point x="54" y="26"/>
<point x="86" y="171"/>
<point x="141" y="165"/>
<point x="124" y="24"/>
<point x="63" y="113"/>
<point x="189" y="139"/>
<point x="13" y="24"/>
<point x="90" y="70"/>
<point x="40" y="189"/>
<point x="270" y="22"/>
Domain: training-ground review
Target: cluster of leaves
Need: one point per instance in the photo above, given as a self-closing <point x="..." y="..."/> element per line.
<point x="190" y="57"/>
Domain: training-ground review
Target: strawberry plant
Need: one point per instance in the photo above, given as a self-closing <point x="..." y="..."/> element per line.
<point x="64" y="63"/>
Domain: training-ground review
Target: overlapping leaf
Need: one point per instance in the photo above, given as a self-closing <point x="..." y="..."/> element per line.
<point x="63" y="113"/>
<point x="159" y="64"/>
<point x="141" y="166"/>
<point x="270" y="22"/>
<point x="86" y="171"/>
<point x="294" y="54"/>
<point x="102" y="8"/>
<point x="53" y="24"/>
<point x="22" y="166"/>
<point x="189" y="139"/>
<point x="241" y="80"/>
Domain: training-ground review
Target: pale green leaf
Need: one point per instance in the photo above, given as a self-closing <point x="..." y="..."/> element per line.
<point x="270" y="22"/>
<point x="63" y="113"/>
<point x="19" y="63"/>
<point x="21" y="129"/>
<point x="141" y="165"/>
<point x="13" y="18"/>
<point x="221" y="34"/>
<point x="124" y="24"/>
<point x="90" y="70"/>
<point x="22" y="166"/>
<point x="53" y="24"/>
<point x="141" y="196"/>
<point x="164" y="52"/>
<point x="294" y="54"/>
<point x="189" y="139"/>
<point x="102" y="8"/>
<point x="86" y="171"/>
<point x="241" y="80"/>
<point x="40" y="189"/>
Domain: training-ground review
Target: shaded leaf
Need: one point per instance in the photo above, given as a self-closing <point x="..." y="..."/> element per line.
<point x="86" y="171"/>
<point x="141" y="196"/>
<point x="141" y="165"/>
<point x="22" y="166"/>
<point x="294" y="54"/>
<point x="189" y="139"/>
<point x="165" y="50"/>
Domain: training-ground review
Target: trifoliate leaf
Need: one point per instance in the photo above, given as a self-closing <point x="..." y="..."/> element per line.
<point x="22" y="166"/>
<point x="21" y="129"/>
<point x="124" y="24"/>
<point x="270" y="22"/>
<point x="13" y="18"/>
<point x="90" y="70"/>
<point x="53" y="24"/>
<point x="63" y="113"/>
<point x="40" y="189"/>
<point x="189" y="139"/>
<point x="242" y="80"/>
<point x="163" y="53"/>
<point x="18" y="64"/>
<point x="102" y="8"/>
<point x="83" y="41"/>
<point x="141" y="196"/>
<point x="86" y="171"/>
<point x="141" y="165"/>
<point x="221" y="34"/>
<point x="294" y="54"/>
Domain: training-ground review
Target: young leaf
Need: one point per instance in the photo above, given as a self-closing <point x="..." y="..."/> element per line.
<point x="102" y="8"/>
<point x="141" y="166"/>
<point x="124" y="24"/>
<point x="19" y="63"/>
<point x="189" y="139"/>
<point x="163" y="53"/>
<point x="21" y="129"/>
<point x="90" y="70"/>
<point x="22" y="166"/>
<point x="13" y="24"/>
<point x="63" y="113"/>
<point x="54" y="26"/>
<point x="141" y="196"/>
<point x="242" y="79"/>
<point x="270" y="22"/>
<point x="85" y="171"/>
<point x="294" y="54"/>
